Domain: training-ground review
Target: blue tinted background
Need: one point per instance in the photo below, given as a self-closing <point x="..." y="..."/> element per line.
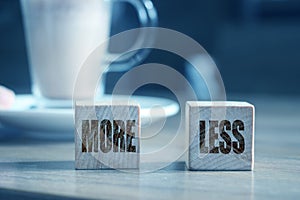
<point x="255" y="43"/>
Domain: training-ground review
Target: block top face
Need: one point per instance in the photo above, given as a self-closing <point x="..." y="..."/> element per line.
<point x="219" y="104"/>
<point x="102" y="110"/>
<point x="107" y="103"/>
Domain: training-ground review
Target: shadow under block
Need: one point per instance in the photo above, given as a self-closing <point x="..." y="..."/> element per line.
<point x="107" y="136"/>
<point x="220" y="135"/>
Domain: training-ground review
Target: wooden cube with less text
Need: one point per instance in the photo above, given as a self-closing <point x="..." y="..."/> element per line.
<point x="107" y="136"/>
<point x="219" y="135"/>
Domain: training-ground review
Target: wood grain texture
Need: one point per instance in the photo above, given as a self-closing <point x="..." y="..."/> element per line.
<point x="107" y="136"/>
<point x="220" y="135"/>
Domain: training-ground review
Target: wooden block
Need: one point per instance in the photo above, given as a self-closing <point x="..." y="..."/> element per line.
<point x="107" y="136"/>
<point x="220" y="135"/>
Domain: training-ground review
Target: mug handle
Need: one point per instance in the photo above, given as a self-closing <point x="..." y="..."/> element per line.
<point x="148" y="18"/>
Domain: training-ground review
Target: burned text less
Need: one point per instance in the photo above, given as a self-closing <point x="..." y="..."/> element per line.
<point x="226" y="145"/>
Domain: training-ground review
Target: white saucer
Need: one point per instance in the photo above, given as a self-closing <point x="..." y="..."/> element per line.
<point x="27" y="117"/>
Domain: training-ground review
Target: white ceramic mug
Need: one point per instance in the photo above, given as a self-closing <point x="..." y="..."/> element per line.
<point x="60" y="34"/>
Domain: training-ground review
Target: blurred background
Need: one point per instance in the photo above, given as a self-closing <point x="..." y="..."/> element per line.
<point x="255" y="43"/>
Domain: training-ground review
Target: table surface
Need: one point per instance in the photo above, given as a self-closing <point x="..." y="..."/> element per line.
<point x="36" y="168"/>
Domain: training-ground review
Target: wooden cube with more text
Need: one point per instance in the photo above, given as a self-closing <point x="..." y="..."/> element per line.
<point x="219" y="135"/>
<point x="107" y="136"/>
